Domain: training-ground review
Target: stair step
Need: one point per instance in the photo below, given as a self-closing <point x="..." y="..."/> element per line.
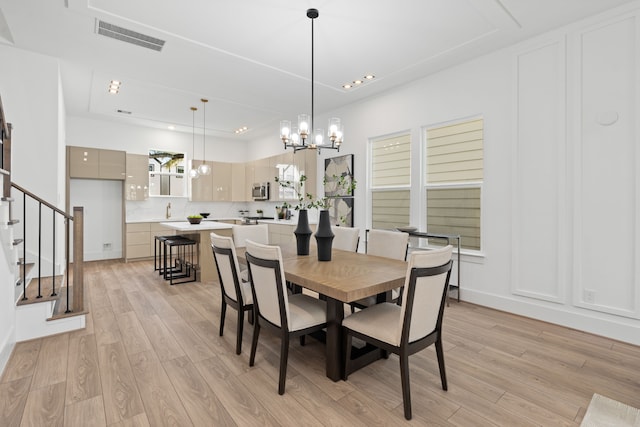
<point x="13" y="222"/>
<point x="16" y="242"/>
<point x="46" y="290"/>
<point x="25" y="269"/>
<point x="7" y="199"/>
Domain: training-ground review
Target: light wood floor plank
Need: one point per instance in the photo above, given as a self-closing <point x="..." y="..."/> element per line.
<point x="133" y="336"/>
<point x="45" y="407"/>
<point x="201" y="403"/>
<point x="234" y="395"/>
<point x="162" y="340"/>
<point x="151" y="353"/>
<point x="83" y="378"/>
<point x="119" y="389"/>
<point x="52" y="361"/>
<point x="77" y="414"/>
<point x="13" y="398"/>
<point x="162" y="404"/>
<point x="23" y="360"/>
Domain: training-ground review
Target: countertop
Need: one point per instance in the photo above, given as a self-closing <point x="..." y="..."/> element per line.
<point x="203" y="226"/>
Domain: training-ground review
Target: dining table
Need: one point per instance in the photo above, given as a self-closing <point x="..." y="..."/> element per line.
<point x="347" y="277"/>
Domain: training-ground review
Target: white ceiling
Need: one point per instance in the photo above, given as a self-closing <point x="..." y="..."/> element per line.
<point x="252" y="58"/>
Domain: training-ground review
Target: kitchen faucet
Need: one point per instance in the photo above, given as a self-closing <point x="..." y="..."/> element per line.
<point x="168" y="210"/>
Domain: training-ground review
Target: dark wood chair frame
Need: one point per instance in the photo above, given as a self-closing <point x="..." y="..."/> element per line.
<point x="238" y="304"/>
<point x="405" y="349"/>
<point x="285" y="334"/>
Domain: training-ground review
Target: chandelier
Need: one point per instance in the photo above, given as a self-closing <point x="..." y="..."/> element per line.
<point x="305" y="135"/>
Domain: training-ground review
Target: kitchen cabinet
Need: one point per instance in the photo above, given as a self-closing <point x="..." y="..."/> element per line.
<point x="221" y="181"/>
<point x="141" y="237"/>
<point x="262" y="170"/>
<point x="239" y="185"/>
<point x="249" y="178"/>
<point x="95" y="163"/>
<point x="201" y="187"/>
<point x="215" y="187"/>
<point x="136" y="184"/>
<point x="308" y="165"/>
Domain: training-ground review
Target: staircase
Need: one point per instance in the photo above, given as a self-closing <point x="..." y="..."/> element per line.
<point x="49" y="294"/>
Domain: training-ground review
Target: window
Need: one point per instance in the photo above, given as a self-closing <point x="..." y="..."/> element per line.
<point x="454" y="174"/>
<point x="166" y="173"/>
<point x="390" y="181"/>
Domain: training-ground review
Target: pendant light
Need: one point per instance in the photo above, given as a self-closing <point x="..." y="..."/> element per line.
<point x="193" y="172"/>
<point x="204" y="168"/>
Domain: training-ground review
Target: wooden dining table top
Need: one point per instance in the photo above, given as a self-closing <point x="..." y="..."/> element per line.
<point x="348" y="277"/>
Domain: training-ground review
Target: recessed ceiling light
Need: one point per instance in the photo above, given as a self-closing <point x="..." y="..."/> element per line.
<point x="114" y="87"/>
<point x="346" y="86"/>
<point x="172" y="127"/>
<point x="243" y="129"/>
<point x="369" y="77"/>
<point x="357" y="82"/>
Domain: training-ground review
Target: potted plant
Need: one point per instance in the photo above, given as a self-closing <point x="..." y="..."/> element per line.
<point x="259" y="212"/>
<point x="305" y="201"/>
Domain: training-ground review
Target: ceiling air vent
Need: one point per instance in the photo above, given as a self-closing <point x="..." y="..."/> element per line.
<point x="129" y="36"/>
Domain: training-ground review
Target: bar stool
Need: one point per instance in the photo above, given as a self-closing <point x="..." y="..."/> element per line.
<point x="158" y="247"/>
<point x="182" y="266"/>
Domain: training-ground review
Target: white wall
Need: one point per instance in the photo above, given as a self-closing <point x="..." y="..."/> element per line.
<point x="30" y="89"/>
<point x="561" y="193"/>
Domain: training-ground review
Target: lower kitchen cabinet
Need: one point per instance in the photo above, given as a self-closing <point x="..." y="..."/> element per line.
<point x="140" y="239"/>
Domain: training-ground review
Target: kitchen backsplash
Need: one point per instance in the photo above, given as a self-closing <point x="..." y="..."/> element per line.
<point x="155" y="208"/>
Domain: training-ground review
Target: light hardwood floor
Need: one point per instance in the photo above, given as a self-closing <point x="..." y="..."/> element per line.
<point x="151" y="355"/>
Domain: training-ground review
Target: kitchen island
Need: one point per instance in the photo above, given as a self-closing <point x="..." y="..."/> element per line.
<point x="201" y="234"/>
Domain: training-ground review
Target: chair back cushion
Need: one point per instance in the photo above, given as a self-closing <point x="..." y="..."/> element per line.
<point x="258" y="233"/>
<point x="428" y="292"/>
<point x="389" y="244"/>
<point x="345" y="238"/>
<point x="269" y="289"/>
<point x="227" y="265"/>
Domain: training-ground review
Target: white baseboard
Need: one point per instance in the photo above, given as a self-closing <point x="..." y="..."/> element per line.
<point x="6" y="348"/>
<point x="597" y="323"/>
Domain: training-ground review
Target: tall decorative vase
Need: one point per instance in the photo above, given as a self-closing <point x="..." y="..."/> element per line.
<point x="303" y="232"/>
<point x="324" y="237"/>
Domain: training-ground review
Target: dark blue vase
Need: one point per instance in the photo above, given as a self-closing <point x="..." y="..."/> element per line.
<point x="324" y="237"/>
<point x="303" y="232"/>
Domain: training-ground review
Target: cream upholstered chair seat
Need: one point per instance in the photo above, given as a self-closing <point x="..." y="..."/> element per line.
<point x="412" y="324"/>
<point x="290" y="315"/>
<point x="235" y="291"/>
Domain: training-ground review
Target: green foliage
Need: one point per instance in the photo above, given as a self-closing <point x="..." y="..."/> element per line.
<point x="344" y="187"/>
<point x="195" y="216"/>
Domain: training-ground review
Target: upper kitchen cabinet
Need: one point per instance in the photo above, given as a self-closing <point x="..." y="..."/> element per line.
<point x="136" y="184"/>
<point x="239" y="184"/>
<point x="94" y="163"/>
<point x="222" y="180"/>
<point x="202" y="186"/>
<point x="262" y="170"/>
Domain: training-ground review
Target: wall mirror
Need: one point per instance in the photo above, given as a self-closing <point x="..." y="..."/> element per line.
<point x="166" y="174"/>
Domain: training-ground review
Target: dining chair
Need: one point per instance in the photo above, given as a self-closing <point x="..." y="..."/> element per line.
<point x="258" y="233"/>
<point x="292" y="316"/>
<point x="388" y="244"/>
<point x="235" y="292"/>
<point x="346" y="238"/>
<point x="412" y="324"/>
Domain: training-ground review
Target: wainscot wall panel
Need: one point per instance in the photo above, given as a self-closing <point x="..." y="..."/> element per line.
<point x="606" y="267"/>
<point x="539" y="173"/>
